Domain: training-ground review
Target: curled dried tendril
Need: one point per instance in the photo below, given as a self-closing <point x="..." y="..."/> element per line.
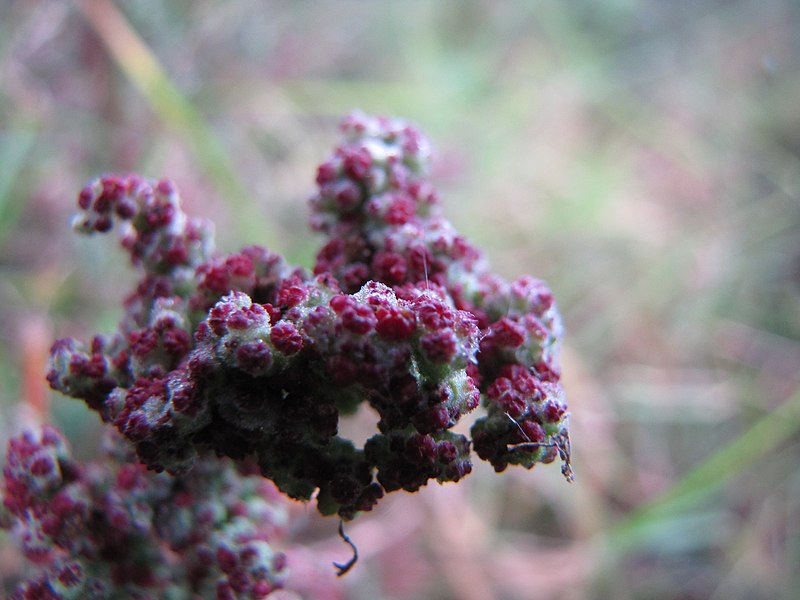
<point x="344" y="568"/>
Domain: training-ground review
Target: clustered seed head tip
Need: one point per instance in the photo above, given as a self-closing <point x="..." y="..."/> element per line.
<point x="247" y="357"/>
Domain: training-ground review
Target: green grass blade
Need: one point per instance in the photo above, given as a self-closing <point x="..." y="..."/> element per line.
<point x="752" y="446"/>
<point x="14" y="148"/>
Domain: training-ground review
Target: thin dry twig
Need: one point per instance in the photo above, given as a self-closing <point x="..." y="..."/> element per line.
<point x="560" y="442"/>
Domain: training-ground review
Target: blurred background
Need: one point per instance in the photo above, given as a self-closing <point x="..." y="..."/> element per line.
<point x="642" y="157"/>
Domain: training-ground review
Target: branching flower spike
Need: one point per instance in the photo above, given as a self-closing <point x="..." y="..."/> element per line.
<point x="246" y="357"/>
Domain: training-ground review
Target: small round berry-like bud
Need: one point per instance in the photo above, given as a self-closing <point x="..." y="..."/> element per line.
<point x="395" y="323"/>
<point x="254" y="357"/>
<point x="286" y="338"/>
<point x="532" y="432"/>
<point x="440" y="346"/>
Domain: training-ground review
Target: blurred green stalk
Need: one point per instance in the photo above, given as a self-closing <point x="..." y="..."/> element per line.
<point x="752" y="446"/>
<point x="14" y="149"/>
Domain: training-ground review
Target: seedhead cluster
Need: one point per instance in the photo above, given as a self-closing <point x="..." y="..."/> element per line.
<point x="247" y="358"/>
